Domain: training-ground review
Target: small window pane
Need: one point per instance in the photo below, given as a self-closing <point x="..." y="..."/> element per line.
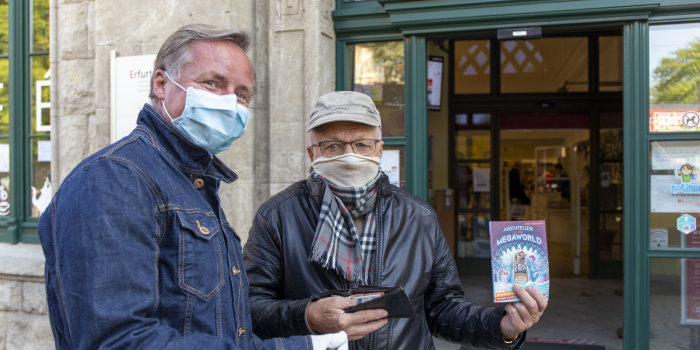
<point x="397" y="174"/>
<point x="41" y="125"/>
<point x="473" y="239"/>
<point x="4" y="27"/>
<point x="674" y="302"/>
<point x="611" y="144"/>
<point x="674" y="58"/>
<point x="472" y="62"/>
<point x="610" y="63"/>
<point x="473" y="185"/>
<point x="675" y="192"/>
<point x="40" y="25"/>
<point x="611" y="232"/>
<point x="378" y="71"/>
<point x="611" y="186"/>
<point x="41" y="176"/>
<point x="41" y="103"/>
<point x="544" y="65"/>
<point x="473" y="144"/>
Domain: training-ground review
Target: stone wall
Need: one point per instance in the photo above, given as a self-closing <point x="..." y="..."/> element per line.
<point x="294" y="58"/>
<point x="23" y="311"/>
<point x="301" y="51"/>
<point x="293" y="54"/>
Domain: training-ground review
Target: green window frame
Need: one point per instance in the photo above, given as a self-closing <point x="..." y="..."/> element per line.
<point x="414" y="20"/>
<point x="366" y="21"/>
<point x="414" y="141"/>
<point x="642" y="271"/>
<point x="28" y="84"/>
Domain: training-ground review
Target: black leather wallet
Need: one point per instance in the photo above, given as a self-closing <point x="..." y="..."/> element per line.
<point x="394" y="300"/>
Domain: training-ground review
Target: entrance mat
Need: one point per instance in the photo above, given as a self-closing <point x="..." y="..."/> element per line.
<point x="555" y="344"/>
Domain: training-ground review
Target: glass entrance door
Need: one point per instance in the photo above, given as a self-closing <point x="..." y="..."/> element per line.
<point x="544" y="174"/>
<point x="472" y="183"/>
<point x="535" y="128"/>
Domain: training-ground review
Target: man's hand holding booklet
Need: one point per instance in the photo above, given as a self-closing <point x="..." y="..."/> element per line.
<point x="518" y="257"/>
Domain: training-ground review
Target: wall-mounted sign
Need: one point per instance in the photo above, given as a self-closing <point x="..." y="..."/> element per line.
<point x="519" y="33"/>
<point x="130" y="85"/>
<point x="434" y="82"/>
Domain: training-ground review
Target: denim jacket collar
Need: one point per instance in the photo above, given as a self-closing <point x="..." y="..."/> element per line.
<point x="177" y="148"/>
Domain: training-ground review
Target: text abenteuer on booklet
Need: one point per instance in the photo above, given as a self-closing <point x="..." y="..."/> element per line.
<point x="518" y="255"/>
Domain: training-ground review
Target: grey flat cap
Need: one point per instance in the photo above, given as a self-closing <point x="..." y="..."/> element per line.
<point x="348" y="106"/>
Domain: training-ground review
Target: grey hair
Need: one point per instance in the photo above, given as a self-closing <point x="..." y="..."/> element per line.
<point x="175" y="52"/>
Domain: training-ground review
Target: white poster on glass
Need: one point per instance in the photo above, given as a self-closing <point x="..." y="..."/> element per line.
<point x="675" y="176"/>
<point x="482" y="179"/>
<point x="434" y="82"/>
<point x="390" y="164"/>
<point x="130" y="85"/>
<point x="43" y="151"/>
<point x="4" y="158"/>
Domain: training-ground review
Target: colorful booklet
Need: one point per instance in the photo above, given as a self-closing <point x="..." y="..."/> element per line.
<point x="518" y="255"/>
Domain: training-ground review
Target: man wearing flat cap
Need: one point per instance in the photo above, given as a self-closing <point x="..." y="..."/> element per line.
<point x="346" y="226"/>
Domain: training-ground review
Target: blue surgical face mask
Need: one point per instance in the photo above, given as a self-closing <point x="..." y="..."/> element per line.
<point x="209" y="120"/>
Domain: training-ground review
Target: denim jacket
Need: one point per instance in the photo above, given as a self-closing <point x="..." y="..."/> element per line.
<point x="139" y="253"/>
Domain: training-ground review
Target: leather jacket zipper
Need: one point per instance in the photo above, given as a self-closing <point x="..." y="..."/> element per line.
<point x="379" y="230"/>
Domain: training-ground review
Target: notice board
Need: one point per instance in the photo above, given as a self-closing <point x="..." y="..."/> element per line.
<point x="130" y="86"/>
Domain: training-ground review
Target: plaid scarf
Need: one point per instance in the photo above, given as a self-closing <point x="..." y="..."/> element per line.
<point x="336" y="239"/>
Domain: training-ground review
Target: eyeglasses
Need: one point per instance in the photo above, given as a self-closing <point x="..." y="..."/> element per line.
<point x="335" y="148"/>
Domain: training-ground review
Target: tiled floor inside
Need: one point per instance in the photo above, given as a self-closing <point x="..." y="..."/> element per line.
<point x="579" y="308"/>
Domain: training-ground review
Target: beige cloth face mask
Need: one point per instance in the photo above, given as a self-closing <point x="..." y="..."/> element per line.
<point x="347" y="170"/>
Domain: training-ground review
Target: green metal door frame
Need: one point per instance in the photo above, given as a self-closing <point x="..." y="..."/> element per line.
<point x="416" y="92"/>
<point x="11" y="227"/>
<point x="636" y="216"/>
<point x="20" y="226"/>
<point x="415" y="20"/>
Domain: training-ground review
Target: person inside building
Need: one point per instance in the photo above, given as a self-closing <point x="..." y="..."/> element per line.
<point x="139" y="254"/>
<point x="346" y="226"/>
<point x="563" y="184"/>
<point x="515" y="187"/>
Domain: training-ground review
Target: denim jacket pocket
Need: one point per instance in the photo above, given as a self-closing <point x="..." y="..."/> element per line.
<point x="200" y="262"/>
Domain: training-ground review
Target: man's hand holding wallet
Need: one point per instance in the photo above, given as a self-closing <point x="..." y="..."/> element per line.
<point x="392" y="299"/>
<point x="357" y="311"/>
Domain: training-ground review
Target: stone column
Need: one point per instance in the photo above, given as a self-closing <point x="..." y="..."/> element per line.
<point x="301" y="67"/>
<point x="73" y="85"/>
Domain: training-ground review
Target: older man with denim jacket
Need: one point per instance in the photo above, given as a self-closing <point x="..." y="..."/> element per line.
<point x="345" y="226"/>
<point x="139" y="254"/>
